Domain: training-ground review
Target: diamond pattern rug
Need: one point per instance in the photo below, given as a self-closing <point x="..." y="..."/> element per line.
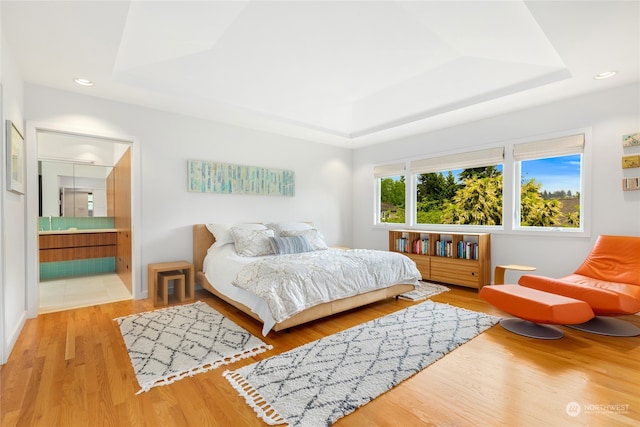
<point x="322" y="381"/>
<point x="424" y="290"/>
<point x="169" y="344"/>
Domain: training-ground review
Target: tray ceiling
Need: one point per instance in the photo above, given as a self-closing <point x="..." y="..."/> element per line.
<point x="339" y="72"/>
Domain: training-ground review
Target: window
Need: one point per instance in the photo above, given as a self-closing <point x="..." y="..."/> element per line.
<point x="90" y="203"/>
<point x="390" y="186"/>
<point x="460" y="189"/>
<point x="550" y="183"/>
<point x="546" y="190"/>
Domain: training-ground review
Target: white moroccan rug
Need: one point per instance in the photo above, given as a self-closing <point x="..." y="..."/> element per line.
<point x="320" y="382"/>
<point x="169" y="344"/>
<point x="424" y="290"/>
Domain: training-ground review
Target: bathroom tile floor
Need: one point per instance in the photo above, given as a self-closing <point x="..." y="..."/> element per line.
<point x="76" y="292"/>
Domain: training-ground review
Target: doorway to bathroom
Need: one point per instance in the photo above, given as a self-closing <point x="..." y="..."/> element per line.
<point x="84" y="220"/>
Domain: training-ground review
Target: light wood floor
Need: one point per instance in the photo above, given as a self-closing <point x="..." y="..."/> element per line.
<point x="71" y="369"/>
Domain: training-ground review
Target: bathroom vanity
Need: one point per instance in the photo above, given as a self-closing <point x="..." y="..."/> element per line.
<point x="68" y="245"/>
<point x="77" y="252"/>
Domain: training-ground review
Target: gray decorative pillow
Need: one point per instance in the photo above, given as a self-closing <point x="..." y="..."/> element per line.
<point x="290" y="245"/>
<point x="252" y="242"/>
<point x="315" y="238"/>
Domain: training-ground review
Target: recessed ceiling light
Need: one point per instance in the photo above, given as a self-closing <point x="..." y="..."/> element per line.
<point x="83" y="82"/>
<point x="605" y="75"/>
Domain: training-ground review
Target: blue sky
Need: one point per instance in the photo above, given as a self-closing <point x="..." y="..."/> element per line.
<point x="556" y="173"/>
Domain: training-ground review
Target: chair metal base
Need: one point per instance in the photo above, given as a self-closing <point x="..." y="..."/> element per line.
<point x="531" y="329"/>
<point x="608" y="326"/>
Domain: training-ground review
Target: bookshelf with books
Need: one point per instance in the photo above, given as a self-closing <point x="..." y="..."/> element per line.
<point x="457" y="258"/>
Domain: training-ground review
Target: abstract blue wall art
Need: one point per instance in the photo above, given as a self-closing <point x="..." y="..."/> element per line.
<point x="214" y="177"/>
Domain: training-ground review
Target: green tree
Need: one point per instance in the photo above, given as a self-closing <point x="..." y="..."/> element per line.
<point x="482" y="172"/>
<point x="392" y="200"/>
<point x="435" y="191"/>
<point x="478" y="202"/>
<point x="430" y="187"/>
<point x="396" y="217"/>
<point x="432" y="216"/>
<point x="392" y="191"/>
<point x="573" y="218"/>
<point x="450" y="187"/>
<point x="435" y="187"/>
<point x="536" y="211"/>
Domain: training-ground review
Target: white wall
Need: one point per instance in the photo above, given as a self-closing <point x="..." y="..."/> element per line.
<point x="12" y="223"/>
<point x="166" y="141"/>
<point x="609" y="114"/>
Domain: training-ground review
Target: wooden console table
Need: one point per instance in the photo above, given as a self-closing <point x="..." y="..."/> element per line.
<point x="462" y="259"/>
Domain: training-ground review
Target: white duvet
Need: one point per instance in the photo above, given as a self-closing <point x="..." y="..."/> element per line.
<point x="278" y="287"/>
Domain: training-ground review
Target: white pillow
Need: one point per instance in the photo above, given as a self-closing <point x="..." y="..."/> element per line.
<point x="315" y="238"/>
<point x="252" y="242"/>
<point x="222" y="232"/>
<point x="279" y="227"/>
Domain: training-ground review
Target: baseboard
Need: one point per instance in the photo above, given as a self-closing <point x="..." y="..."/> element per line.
<point x="12" y="338"/>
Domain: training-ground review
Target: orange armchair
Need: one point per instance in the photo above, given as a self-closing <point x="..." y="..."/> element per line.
<point x="608" y="280"/>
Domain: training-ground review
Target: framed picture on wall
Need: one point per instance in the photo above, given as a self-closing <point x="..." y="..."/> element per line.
<point x="631" y="161"/>
<point x="631" y="140"/>
<point x="15" y="159"/>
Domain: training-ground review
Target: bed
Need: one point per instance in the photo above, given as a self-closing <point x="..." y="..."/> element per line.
<point x="218" y="269"/>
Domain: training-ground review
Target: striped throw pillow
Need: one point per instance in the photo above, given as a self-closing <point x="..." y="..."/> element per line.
<point x="290" y="245"/>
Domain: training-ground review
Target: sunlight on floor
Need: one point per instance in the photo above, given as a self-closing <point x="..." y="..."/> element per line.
<point x="76" y="292"/>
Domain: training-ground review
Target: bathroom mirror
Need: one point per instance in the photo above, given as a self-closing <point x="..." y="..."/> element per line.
<point x="73" y="189"/>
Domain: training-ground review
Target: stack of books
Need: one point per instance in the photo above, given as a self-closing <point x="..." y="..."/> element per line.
<point x="467" y="250"/>
<point x="444" y="248"/>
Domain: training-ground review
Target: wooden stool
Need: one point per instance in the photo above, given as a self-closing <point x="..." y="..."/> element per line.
<point x="162" y="296"/>
<point x="159" y="275"/>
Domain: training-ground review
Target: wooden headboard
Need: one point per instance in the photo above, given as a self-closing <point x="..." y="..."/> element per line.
<point x="202" y="241"/>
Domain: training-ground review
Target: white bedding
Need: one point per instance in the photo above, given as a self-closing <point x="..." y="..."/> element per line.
<point x="221" y="266"/>
<point x="278" y="287"/>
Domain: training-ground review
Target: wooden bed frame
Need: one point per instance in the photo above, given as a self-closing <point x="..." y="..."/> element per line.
<point x="202" y="241"/>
